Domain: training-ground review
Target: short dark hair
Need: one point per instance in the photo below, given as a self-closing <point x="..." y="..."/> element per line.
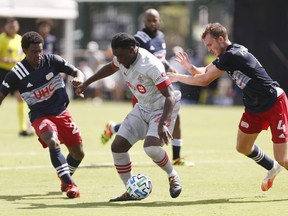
<point x="31" y="38"/>
<point x="215" y="30"/>
<point x="123" y="40"/>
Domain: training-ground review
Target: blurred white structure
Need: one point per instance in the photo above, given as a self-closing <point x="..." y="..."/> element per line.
<point x="52" y="9"/>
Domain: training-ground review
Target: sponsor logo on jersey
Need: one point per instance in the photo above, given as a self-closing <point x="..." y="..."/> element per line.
<point x="49" y="76"/>
<point x="141" y="89"/>
<point x="44" y="92"/>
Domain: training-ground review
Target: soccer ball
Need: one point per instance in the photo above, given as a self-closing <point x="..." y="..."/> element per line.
<point x="139" y="186"/>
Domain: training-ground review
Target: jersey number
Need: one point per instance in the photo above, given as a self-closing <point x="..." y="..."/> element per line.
<point x="75" y="129"/>
<point x="281" y="126"/>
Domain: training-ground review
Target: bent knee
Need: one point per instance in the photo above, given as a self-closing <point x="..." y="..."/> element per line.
<point x="283" y="163"/>
<point x="151" y="151"/>
<point x="243" y="150"/>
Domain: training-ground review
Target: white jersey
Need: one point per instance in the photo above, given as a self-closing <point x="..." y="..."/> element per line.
<point x="145" y="77"/>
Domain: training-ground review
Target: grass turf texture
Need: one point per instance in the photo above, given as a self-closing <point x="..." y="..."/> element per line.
<point x="223" y="182"/>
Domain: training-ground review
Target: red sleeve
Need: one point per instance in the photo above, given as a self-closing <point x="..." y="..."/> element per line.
<point x="164" y="84"/>
<point x="134" y="100"/>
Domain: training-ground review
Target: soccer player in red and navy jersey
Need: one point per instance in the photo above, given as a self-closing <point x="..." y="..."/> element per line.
<point x="265" y="102"/>
<point x="37" y="77"/>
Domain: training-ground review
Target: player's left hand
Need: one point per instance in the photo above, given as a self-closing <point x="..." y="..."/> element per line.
<point x="164" y="134"/>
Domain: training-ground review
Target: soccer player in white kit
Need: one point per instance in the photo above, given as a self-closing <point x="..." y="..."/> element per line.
<point x="151" y="119"/>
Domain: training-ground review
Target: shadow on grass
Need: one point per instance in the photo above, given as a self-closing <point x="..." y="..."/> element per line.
<point x="234" y="200"/>
<point x="49" y="195"/>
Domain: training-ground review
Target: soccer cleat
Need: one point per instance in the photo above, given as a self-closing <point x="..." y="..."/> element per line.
<point x="268" y="180"/>
<point x="182" y="162"/>
<point x="123" y="197"/>
<point x="72" y="192"/>
<point x="175" y="186"/>
<point x="107" y="134"/>
<point x="25" y="133"/>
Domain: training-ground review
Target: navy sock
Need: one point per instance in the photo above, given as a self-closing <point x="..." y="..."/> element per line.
<point x="261" y="158"/>
<point x="72" y="163"/>
<point x="60" y="164"/>
<point x="116" y="127"/>
<point x="176" y="152"/>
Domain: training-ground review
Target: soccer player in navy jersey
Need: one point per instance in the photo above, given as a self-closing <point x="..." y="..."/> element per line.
<point x="152" y="119"/>
<point x="265" y="102"/>
<point x="38" y="79"/>
<point x="153" y="40"/>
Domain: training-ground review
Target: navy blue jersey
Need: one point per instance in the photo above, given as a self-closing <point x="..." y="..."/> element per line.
<point x="259" y="90"/>
<point x="155" y="45"/>
<point x="43" y="88"/>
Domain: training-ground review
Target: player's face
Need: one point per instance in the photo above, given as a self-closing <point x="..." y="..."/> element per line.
<point x="125" y="56"/>
<point x="152" y="22"/>
<point x="12" y="28"/>
<point x="34" y="54"/>
<point x="214" y="45"/>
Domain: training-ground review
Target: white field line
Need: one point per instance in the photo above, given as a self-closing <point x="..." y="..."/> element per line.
<point x="12" y="154"/>
<point x="101" y="165"/>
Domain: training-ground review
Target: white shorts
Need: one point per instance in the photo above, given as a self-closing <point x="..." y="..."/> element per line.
<point x="139" y="123"/>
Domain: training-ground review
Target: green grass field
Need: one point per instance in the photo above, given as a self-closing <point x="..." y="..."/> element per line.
<point x="222" y="182"/>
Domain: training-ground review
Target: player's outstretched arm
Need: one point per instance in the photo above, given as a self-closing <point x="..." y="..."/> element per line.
<point x="105" y="71"/>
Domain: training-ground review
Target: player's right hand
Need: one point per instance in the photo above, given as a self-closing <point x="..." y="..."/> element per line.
<point x="183" y="59"/>
<point x="80" y="89"/>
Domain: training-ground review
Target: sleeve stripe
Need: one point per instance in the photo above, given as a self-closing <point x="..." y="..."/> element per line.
<point x="163" y="84"/>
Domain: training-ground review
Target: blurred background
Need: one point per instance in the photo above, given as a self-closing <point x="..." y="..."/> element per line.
<point x="84" y="28"/>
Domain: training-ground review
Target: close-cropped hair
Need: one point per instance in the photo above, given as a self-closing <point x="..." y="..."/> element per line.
<point x="31" y="38"/>
<point x="123" y="40"/>
<point x="215" y="30"/>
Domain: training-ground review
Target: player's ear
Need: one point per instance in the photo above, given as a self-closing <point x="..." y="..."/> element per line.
<point x="24" y="51"/>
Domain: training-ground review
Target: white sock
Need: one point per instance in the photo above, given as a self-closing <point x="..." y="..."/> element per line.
<point x="160" y="157"/>
<point x="123" y="165"/>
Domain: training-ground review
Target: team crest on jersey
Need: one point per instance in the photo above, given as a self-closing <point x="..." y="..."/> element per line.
<point x="49" y="76"/>
<point x="141" y="89"/>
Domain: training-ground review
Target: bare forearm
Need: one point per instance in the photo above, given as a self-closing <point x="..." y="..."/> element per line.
<point x="196" y="80"/>
<point x="168" y="109"/>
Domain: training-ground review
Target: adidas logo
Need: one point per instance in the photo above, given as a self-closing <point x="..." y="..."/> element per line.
<point x="5" y="84"/>
<point x="282" y="135"/>
<point x="29" y="85"/>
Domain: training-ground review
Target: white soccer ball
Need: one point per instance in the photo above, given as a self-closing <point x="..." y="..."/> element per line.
<point x="139" y="186"/>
